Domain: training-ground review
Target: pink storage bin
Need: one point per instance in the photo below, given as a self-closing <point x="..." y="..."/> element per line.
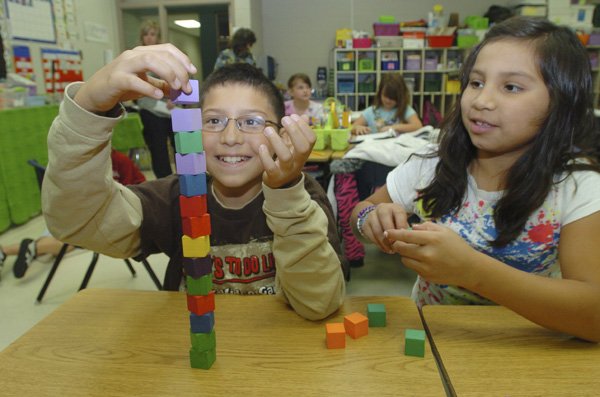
<point x="361" y="43"/>
<point x="386" y="29"/>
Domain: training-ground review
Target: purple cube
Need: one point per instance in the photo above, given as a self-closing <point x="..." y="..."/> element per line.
<point x="192" y="164"/>
<point x="181" y="98"/>
<point x="197" y="267"/>
<point x="186" y="120"/>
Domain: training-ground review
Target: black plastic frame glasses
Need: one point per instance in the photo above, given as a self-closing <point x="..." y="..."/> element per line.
<point x="249" y="124"/>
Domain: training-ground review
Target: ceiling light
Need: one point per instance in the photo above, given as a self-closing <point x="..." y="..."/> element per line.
<point x="188" y="23"/>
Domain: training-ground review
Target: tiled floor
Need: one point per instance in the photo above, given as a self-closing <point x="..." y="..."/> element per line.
<point x="382" y="274"/>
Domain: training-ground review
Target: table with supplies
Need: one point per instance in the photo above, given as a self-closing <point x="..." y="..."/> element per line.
<point x="106" y="342"/>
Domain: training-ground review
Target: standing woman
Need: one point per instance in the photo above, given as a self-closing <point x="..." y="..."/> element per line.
<point x="240" y="49"/>
<point x="155" y="114"/>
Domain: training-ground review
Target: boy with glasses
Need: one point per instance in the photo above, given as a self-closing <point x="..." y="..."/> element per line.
<point x="272" y="227"/>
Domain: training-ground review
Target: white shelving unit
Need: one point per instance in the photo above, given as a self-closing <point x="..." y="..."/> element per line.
<point x="431" y="74"/>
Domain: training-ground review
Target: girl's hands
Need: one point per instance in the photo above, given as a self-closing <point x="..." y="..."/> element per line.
<point x="385" y="217"/>
<point x="125" y="78"/>
<point x="435" y="252"/>
<point x="291" y="151"/>
<point x="360" y="130"/>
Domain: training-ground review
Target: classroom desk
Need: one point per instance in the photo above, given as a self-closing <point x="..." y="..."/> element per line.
<point x="126" y="343"/>
<point x="320" y="156"/>
<point x="492" y="351"/>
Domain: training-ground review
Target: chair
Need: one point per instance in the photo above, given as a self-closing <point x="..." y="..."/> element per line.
<point x="40" y="170"/>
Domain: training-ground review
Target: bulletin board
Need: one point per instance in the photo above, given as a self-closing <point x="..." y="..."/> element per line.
<point x="31" y="20"/>
<point x="22" y="61"/>
<point x="60" y="68"/>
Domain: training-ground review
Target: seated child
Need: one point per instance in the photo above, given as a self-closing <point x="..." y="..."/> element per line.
<point x="300" y="89"/>
<point x="390" y="110"/>
<point x="508" y="203"/>
<point x="272" y="226"/>
<point x="124" y="171"/>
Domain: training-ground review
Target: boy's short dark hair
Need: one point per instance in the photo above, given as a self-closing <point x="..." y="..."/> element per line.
<point x="245" y="74"/>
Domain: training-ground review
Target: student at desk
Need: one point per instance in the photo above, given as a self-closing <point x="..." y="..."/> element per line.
<point x="272" y="226"/>
<point x="391" y="109"/>
<point x="509" y="202"/>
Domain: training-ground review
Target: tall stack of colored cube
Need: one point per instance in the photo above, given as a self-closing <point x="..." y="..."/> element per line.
<point x="195" y="220"/>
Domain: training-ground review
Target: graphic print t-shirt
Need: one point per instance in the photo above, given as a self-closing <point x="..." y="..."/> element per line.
<point x="534" y="251"/>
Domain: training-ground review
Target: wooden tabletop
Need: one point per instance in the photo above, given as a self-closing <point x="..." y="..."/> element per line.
<point x="492" y="351"/>
<point x="135" y="343"/>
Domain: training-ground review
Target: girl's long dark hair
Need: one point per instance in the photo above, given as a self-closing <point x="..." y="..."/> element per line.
<point x="566" y="134"/>
<point x="394" y="87"/>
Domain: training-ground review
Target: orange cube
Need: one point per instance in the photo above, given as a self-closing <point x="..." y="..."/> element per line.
<point x="201" y="304"/>
<point x="356" y="325"/>
<point x="336" y="335"/>
<point x="196" y="226"/>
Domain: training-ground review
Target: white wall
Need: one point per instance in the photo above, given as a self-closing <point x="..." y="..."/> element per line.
<point x="97" y="11"/>
<point x="301" y="34"/>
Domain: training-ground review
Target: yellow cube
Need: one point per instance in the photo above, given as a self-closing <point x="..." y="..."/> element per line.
<point x="195" y="247"/>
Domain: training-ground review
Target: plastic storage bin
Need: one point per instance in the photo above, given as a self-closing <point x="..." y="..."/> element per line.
<point x="366" y="64"/>
<point x="339" y="139"/>
<point x="386" y="29"/>
<point x="440" y="41"/>
<point x="413" y="62"/>
<point x="345" y="66"/>
<point x="390" y="65"/>
<point x="323" y="139"/>
<point x="361" y="43"/>
<point x="346" y="86"/>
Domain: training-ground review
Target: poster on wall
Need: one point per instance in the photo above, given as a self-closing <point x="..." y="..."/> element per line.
<point x="31" y="20"/>
<point x="22" y="61"/>
<point x="60" y="68"/>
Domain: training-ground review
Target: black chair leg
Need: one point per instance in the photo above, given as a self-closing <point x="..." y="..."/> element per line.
<point x="152" y="275"/>
<point x="59" y="257"/>
<point x="90" y="270"/>
<point x="131" y="269"/>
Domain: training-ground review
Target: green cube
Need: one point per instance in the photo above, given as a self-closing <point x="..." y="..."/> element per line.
<point x="376" y="314"/>
<point x="202" y="359"/>
<point x="414" y="342"/>
<point x="188" y="142"/>
<point x="199" y="286"/>
<point x="203" y="341"/>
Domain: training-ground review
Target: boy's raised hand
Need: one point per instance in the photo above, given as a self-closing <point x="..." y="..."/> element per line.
<point x="290" y="156"/>
<point x="125" y="78"/>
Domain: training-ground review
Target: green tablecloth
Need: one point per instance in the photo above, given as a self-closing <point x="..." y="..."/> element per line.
<point x="23" y="134"/>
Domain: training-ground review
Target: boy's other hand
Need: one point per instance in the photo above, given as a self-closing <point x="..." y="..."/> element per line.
<point x="126" y="77"/>
<point x="291" y="152"/>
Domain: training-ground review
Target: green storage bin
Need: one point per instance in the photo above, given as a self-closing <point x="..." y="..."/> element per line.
<point x="466" y="41"/>
<point x="323" y="137"/>
<point x="339" y="139"/>
<point x="366" y="64"/>
<point x="345" y="66"/>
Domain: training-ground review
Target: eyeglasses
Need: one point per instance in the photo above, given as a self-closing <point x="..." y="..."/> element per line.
<point x="247" y="124"/>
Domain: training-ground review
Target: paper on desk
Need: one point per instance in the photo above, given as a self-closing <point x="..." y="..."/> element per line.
<point x="370" y="137"/>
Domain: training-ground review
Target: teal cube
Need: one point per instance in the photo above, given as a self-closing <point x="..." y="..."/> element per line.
<point x="202" y="359"/>
<point x="203" y="341"/>
<point x="199" y="286"/>
<point x="414" y="342"/>
<point x="376" y="314"/>
<point x="188" y="142"/>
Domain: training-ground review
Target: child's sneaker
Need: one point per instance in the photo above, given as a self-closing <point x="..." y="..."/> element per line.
<point x="25" y="257"/>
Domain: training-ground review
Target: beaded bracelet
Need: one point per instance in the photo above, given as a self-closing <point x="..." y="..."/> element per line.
<point x="362" y="217"/>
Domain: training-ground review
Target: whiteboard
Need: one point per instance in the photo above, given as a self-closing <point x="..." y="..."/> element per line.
<point x="31" y="20"/>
